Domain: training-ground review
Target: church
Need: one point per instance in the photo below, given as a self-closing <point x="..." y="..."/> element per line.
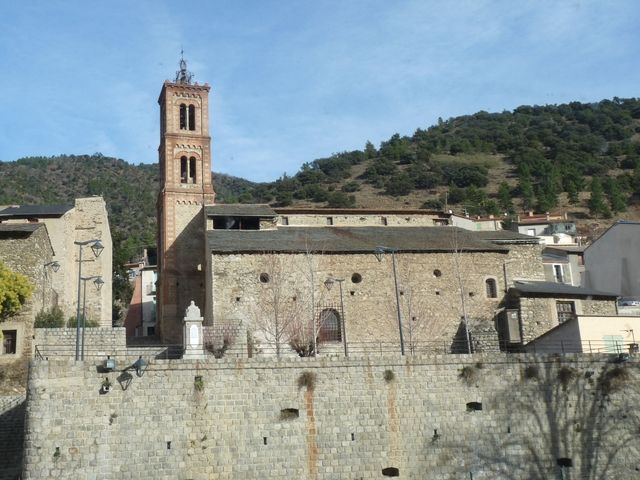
<point x="294" y="281"/>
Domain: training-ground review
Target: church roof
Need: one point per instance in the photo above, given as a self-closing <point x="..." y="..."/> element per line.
<point x="240" y="210"/>
<point x="507" y="236"/>
<point x="349" y="240"/>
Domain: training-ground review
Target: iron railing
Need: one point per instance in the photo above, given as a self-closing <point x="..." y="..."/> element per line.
<point x="356" y="349"/>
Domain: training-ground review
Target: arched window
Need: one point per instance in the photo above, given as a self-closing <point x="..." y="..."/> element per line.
<point x="192" y="117"/>
<point x="183" y="116"/>
<point x="491" y="288"/>
<point x="192" y="170"/>
<point x="330" y="328"/>
<point x="184" y="170"/>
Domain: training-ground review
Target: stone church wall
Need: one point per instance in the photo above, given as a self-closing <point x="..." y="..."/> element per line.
<point x="429" y="285"/>
<point x="483" y="416"/>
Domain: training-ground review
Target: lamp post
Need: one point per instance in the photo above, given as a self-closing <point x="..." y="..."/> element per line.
<point x="328" y="283"/>
<point x="98" y="282"/>
<point x="96" y="248"/>
<point x="379" y="252"/>
<point x="55" y="266"/>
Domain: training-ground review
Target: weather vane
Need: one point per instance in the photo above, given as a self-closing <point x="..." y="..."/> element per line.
<point x="183" y="75"/>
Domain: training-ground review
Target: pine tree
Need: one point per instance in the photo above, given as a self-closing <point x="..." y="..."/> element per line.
<point x="597" y="205"/>
<point x="615" y="196"/>
<point x="504" y="198"/>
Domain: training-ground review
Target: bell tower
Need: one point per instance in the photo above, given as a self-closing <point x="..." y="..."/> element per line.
<point x="185" y="188"/>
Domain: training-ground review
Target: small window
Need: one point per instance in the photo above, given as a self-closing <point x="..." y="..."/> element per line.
<point x="285" y="220"/>
<point x="330" y="328"/>
<point x="558" y="273"/>
<point x="329" y="220"/>
<point x="184" y="170"/>
<point x="9" y="341"/>
<point x="384" y="221"/>
<point x="264" y="278"/>
<point x="192" y="117"/>
<point x="491" y="288"/>
<point x="566" y="311"/>
<point x="437" y="273"/>
<point x="356" y="278"/>
<point x="183" y="117"/>
<point x="192" y="170"/>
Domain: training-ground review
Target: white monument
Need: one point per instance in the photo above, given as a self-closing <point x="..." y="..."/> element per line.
<point x="192" y="334"/>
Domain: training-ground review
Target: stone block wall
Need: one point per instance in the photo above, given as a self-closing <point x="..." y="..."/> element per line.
<point x="538" y="315"/>
<point x="99" y="342"/>
<point x="438" y="417"/>
<point x="86" y="221"/>
<point x="429" y="284"/>
<point x="27" y="254"/>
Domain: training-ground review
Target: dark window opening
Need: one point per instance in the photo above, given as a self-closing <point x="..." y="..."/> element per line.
<point x="183" y="117"/>
<point x="236" y="223"/>
<point x="329" y="220"/>
<point x="390" y="472"/>
<point x="491" y="288"/>
<point x="192" y="170"/>
<point x="474" y="406"/>
<point x="566" y="311"/>
<point x="264" y="277"/>
<point x="9" y="341"/>
<point x="184" y="170"/>
<point x="192" y="117"/>
<point x="565" y="462"/>
<point x="437" y="273"/>
<point x="285" y="220"/>
<point x="289" y="413"/>
<point x="356" y="278"/>
<point x="330" y="327"/>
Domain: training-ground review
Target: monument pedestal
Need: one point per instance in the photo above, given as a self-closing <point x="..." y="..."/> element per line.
<point x="192" y="334"/>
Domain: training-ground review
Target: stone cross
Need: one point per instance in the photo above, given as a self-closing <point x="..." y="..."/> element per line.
<point x="192" y="333"/>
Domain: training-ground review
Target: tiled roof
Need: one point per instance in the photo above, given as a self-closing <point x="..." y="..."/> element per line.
<point x="35" y="211"/>
<point x="240" y="210"/>
<point x="349" y="240"/>
<point x="557" y="289"/>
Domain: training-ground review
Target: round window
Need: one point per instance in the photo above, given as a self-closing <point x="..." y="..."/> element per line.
<point x="264" y="277"/>
<point x="437" y="273"/>
<point x="356" y="278"/>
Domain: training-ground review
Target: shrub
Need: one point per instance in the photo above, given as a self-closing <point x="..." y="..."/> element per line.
<point x="565" y="375"/>
<point x="53" y="318"/>
<point x="469" y="374"/>
<point x="307" y="380"/>
<point x="89" y="323"/>
<point x="614" y="380"/>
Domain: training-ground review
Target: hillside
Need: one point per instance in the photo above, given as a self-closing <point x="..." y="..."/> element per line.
<point x="580" y="157"/>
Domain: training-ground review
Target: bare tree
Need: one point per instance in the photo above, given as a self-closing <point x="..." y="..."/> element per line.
<point x="420" y="323"/>
<point x="278" y="312"/>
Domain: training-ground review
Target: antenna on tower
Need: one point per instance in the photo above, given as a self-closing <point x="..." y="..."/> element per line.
<point x="183" y="75"/>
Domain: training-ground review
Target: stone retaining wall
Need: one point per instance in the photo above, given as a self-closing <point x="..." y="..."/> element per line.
<point x="492" y="416"/>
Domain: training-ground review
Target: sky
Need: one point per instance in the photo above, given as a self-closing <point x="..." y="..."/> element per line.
<point x="296" y="80"/>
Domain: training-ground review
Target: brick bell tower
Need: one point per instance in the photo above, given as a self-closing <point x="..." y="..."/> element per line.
<point x="185" y="188"/>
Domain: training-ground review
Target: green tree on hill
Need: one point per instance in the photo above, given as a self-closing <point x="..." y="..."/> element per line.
<point x="597" y="205"/>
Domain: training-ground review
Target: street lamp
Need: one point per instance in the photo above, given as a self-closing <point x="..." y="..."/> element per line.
<point x="98" y="282"/>
<point x="96" y="248"/>
<point x="379" y="252"/>
<point x="55" y="266"/>
<point x="328" y="283"/>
